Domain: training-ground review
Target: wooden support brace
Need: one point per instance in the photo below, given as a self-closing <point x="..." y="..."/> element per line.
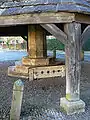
<point x="55" y="31"/>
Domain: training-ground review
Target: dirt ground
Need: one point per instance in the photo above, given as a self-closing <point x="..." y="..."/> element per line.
<point x="41" y="99"/>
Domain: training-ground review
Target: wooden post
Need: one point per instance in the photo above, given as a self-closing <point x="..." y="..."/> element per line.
<point x="37" y="48"/>
<point x="72" y="50"/>
<point x="54" y="53"/>
<point x="16" y="100"/>
<point x="36" y="41"/>
<point x="72" y="103"/>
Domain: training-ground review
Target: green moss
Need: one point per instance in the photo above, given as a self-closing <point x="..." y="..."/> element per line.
<point x="62" y="109"/>
<point x="68" y="96"/>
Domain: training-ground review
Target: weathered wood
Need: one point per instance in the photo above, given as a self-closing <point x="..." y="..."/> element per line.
<point x="31" y="74"/>
<point x="55" y="31"/>
<point x="40" y="18"/>
<point x="60" y="17"/>
<point x="46" y="71"/>
<point x="16" y="100"/>
<point x="82" y="18"/>
<point x="36" y="42"/>
<point x="85" y="35"/>
<point x="28" y="61"/>
<point x="72" y="50"/>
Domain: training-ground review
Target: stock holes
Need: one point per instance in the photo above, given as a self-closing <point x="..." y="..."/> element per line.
<point x="42" y="72"/>
<point x="58" y="70"/>
<point x="48" y="72"/>
<point x="53" y="71"/>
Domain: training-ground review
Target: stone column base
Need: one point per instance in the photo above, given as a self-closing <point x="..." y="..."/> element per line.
<point x="72" y="107"/>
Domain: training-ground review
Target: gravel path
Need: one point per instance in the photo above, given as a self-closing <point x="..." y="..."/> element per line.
<point x="42" y="97"/>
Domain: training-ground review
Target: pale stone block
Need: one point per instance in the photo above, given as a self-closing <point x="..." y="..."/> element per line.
<point x="70" y="107"/>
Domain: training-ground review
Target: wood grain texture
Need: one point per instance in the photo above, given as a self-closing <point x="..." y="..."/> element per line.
<point x="36" y="41"/>
<point x="60" y="17"/>
<point x="72" y="50"/>
<point x="82" y="18"/>
<point x="55" y="31"/>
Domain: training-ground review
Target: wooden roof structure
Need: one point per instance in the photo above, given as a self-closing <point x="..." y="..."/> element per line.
<point x="68" y="21"/>
<point x="42" y="11"/>
<point x="14" y="7"/>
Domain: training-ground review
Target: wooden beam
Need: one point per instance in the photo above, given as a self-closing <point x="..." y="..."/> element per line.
<point x="37" y="18"/>
<point x="82" y="18"/>
<point x="55" y="31"/>
<point x="46" y="72"/>
<point x="85" y="35"/>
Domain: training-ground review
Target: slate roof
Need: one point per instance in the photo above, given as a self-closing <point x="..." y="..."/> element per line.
<point x="14" y="7"/>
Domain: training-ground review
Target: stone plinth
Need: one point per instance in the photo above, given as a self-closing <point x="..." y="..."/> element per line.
<point x="72" y="107"/>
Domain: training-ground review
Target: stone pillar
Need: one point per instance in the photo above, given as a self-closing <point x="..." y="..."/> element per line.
<point x="72" y="103"/>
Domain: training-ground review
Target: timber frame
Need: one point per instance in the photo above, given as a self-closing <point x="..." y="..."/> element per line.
<point x="68" y="21"/>
<point x="67" y="28"/>
<point x="41" y="18"/>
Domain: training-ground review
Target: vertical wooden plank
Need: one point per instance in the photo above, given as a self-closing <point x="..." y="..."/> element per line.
<point x="36" y="41"/>
<point x="72" y="50"/>
<point x="31" y="74"/>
